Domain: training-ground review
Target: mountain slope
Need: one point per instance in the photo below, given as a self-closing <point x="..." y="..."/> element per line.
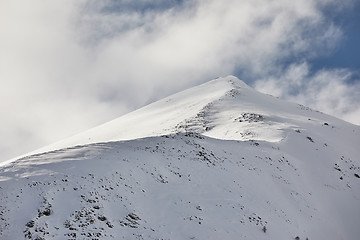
<point x="218" y="161"/>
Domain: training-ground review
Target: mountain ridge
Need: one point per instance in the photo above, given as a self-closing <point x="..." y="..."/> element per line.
<point x="226" y="163"/>
<point x="129" y="118"/>
<point x="179" y="113"/>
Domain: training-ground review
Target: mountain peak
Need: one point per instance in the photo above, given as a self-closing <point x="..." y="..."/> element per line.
<point x="230" y="81"/>
<point x="159" y="118"/>
<point x="217" y="161"/>
<point x="234" y="81"/>
<point x="224" y="108"/>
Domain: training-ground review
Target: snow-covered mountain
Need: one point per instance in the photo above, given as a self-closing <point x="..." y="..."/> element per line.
<point x="217" y="161"/>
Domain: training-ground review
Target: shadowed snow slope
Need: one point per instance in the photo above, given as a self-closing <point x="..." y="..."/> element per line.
<point x="217" y="161"/>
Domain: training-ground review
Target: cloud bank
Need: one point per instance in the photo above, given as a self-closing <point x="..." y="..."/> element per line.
<point x="68" y="65"/>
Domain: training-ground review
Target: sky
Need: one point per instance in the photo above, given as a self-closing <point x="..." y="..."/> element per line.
<point x="67" y="66"/>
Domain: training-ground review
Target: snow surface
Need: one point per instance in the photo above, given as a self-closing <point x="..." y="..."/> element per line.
<point x="217" y="161"/>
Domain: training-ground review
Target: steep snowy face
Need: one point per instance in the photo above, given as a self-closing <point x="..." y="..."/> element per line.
<point x="224" y="108"/>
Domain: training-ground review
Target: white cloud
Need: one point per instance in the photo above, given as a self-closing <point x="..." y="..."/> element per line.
<point x="68" y="65"/>
<point x="327" y="90"/>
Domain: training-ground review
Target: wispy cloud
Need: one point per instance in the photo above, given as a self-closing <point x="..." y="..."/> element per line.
<point x="326" y="90"/>
<point x="69" y="65"/>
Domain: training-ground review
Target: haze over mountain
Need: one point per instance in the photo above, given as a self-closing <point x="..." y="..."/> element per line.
<point x="217" y="161"/>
